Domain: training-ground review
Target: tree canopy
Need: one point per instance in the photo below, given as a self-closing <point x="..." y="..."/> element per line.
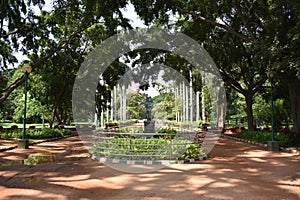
<point x="246" y="39"/>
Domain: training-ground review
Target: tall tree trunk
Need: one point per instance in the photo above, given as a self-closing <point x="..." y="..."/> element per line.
<point x="187" y="103"/>
<point x="183" y="103"/>
<point x="294" y="92"/>
<point x="54" y="108"/>
<point x="249" y="110"/>
<point x="121" y="102"/>
<point x="53" y="114"/>
<point x="124" y="103"/>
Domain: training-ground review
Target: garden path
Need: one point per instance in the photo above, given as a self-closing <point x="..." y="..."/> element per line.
<point x="234" y="170"/>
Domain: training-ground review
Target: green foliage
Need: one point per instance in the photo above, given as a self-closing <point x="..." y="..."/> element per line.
<point x="17" y="19"/>
<point x="164" y="104"/>
<point x="281" y="112"/>
<point x="170" y="133"/>
<point x="167" y="130"/>
<point x="38" y="158"/>
<point x="34" y="109"/>
<point x="193" y="151"/>
<point x="263" y="137"/>
<point x="136" y="107"/>
<point x="126" y="135"/>
<point x="207" y="100"/>
<point x="262" y="112"/>
<point x="244" y="39"/>
<point x="73" y="26"/>
<point x="131" y="129"/>
<point x="173" y="123"/>
<point x="236" y="106"/>
<point x="36" y="133"/>
<point x="111" y="124"/>
<point x="7" y="107"/>
<point x="4" y="121"/>
<point x="128" y="122"/>
<point x="126" y="147"/>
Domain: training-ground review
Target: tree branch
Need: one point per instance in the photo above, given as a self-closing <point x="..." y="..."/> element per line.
<point x="234" y="84"/>
<point x="10" y="33"/>
<point x="13" y="86"/>
<point x="241" y="15"/>
<point x="6" y="92"/>
<point x="259" y="84"/>
<point x="215" y="24"/>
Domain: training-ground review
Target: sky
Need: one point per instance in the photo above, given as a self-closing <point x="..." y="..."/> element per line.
<point x="135" y="20"/>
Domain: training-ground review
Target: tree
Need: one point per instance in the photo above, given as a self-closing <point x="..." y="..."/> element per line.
<point x="164" y="104"/>
<point x="135" y="108"/>
<point x="42" y="34"/>
<point x="6" y="108"/>
<point x="240" y="37"/>
<point x="16" y="22"/>
<point x="34" y="111"/>
<point x="57" y="44"/>
<point x="236" y="107"/>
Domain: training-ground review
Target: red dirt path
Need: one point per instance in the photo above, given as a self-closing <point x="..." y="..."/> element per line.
<point x="234" y="170"/>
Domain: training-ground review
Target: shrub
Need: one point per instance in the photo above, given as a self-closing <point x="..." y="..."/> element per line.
<point x="17" y="133"/>
<point x="152" y="148"/>
<point x="263" y="137"/>
<point x="193" y="151"/>
<point x="167" y="131"/>
<point x="46" y="133"/>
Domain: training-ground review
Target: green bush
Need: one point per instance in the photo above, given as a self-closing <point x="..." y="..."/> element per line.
<point x="46" y="133"/>
<point x="263" y="137"/>
<point x="130" y="130"/>
<point x="151" y="148"/>
<point x="11" y="134"/>
<point x="167" y="130"/>
<point x="173" y="123"/>
<point x="193" y="151"/>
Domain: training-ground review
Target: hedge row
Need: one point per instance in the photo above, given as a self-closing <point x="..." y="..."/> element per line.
<point x="45" y="133"/>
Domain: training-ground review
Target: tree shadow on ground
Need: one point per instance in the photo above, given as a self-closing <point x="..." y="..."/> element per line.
<point x="233" y="169"/>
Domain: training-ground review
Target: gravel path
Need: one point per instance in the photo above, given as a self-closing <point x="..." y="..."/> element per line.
<point x="234" y="170"/>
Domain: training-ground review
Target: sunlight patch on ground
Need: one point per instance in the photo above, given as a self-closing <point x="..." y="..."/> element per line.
<point x="222" y="171"/>
<point x="201" y="181"/>
<point x="251" y="170"/>
<point x="291" y="184"/>
<point x="265" y="154"/>
<point x="260" y="160"/>
<point x="92" y="183"/>
<point x="71" y="178"/>
<point x="28" y="194"/>
<point x="189" y="167"/>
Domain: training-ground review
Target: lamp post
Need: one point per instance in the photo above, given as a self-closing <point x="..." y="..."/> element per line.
<point x="24" y="143"/>
<point x="271" y="76"/>
<point x="272" y="145"/>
